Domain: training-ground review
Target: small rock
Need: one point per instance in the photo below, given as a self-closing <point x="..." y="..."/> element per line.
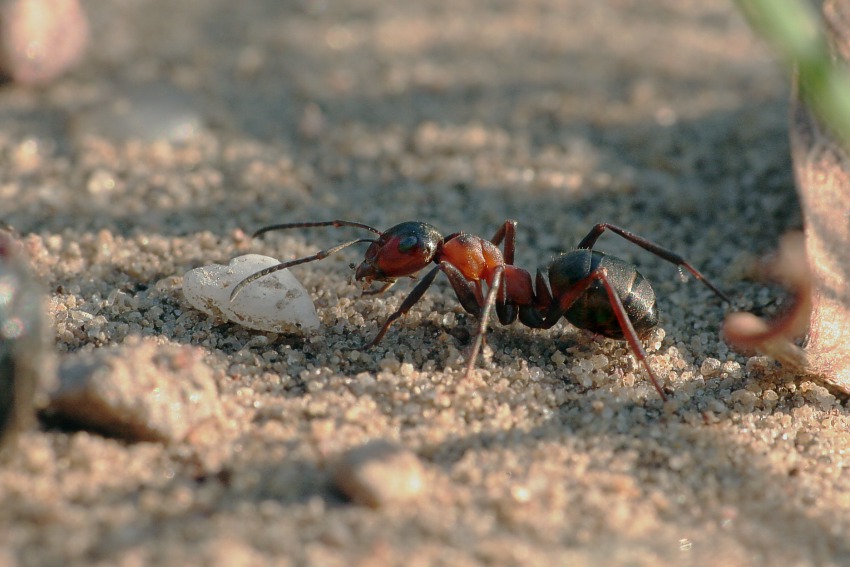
<point x="142" y="390"/>
<point x="148" y="113"/>
<point x="710" y="367"/>
<point x="379" y="473"/>
<point x="277" y="303"/>
<point x="41" y="39"/>
<point x="25" y="357"/>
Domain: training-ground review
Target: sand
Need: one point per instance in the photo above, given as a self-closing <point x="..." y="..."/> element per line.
<point x="666" y="117"/>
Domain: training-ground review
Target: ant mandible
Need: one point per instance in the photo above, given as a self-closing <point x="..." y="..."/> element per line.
<point x="592" y="290"/>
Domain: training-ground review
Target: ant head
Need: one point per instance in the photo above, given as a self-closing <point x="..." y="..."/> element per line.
<point x="401" y="251"/>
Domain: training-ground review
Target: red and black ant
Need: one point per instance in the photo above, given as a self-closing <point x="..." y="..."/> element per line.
<point x="592" y="290"/>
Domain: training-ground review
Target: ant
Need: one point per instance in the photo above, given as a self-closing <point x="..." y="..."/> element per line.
<point x="592" y="290"/>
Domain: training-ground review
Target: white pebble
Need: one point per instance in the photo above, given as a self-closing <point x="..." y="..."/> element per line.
<point x="277" y="303"/>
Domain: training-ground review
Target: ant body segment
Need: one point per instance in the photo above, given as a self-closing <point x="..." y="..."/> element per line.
<point x="592" y="290"/>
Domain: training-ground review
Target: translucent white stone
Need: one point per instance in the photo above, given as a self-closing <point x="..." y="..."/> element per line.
<point x="276" y="303"/>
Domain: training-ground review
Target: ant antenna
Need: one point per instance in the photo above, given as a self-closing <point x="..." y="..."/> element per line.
<point x="333" y="223"/>
<point x="320" y="255"/>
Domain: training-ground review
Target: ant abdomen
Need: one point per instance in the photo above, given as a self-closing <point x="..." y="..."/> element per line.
<point x="593" y="310"/>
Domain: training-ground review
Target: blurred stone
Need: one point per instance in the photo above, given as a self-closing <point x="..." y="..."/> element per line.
<point x="143" y="390"/>
<point x="148" y="113"/>
<point x="41" y="39"/>
<point x="379" y="473"/>
<point x="25" y="358"/>
<point x="312" y="123"/>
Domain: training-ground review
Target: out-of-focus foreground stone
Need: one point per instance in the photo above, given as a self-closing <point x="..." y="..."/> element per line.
<point x="40" y="39"/>
<point x="379" y="473"/>
<point x="142" y="390"/>
<point x="25" y="358"/>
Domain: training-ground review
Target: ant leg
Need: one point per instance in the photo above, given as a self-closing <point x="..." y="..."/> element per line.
<point x="380" y="290"/>
<point x="516" y="296"/>
<point x="566" y="301"/>
<point x="505" y="311"/>
<point x="405" y="306"/>
<point x="320" y="255"/>
<point x="470" y="299"/>
<point x="563" y="303"/>
<point x="507" y="232"/>
<point x="467" y="292"/>
<point x="532" y="315"/>
<point x="663" y="253"/>
<point x="543" y="297"/>
<point x="469" y="295"/>
<point x="482" y="321"/>
<point x="333" y="223"/>
<point x="629" y="330"/>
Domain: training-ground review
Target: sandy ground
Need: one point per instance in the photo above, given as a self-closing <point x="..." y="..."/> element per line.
<point x="666" y="117"/>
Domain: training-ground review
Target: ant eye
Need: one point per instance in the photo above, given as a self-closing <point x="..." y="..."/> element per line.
<point x="408" y="243"/>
